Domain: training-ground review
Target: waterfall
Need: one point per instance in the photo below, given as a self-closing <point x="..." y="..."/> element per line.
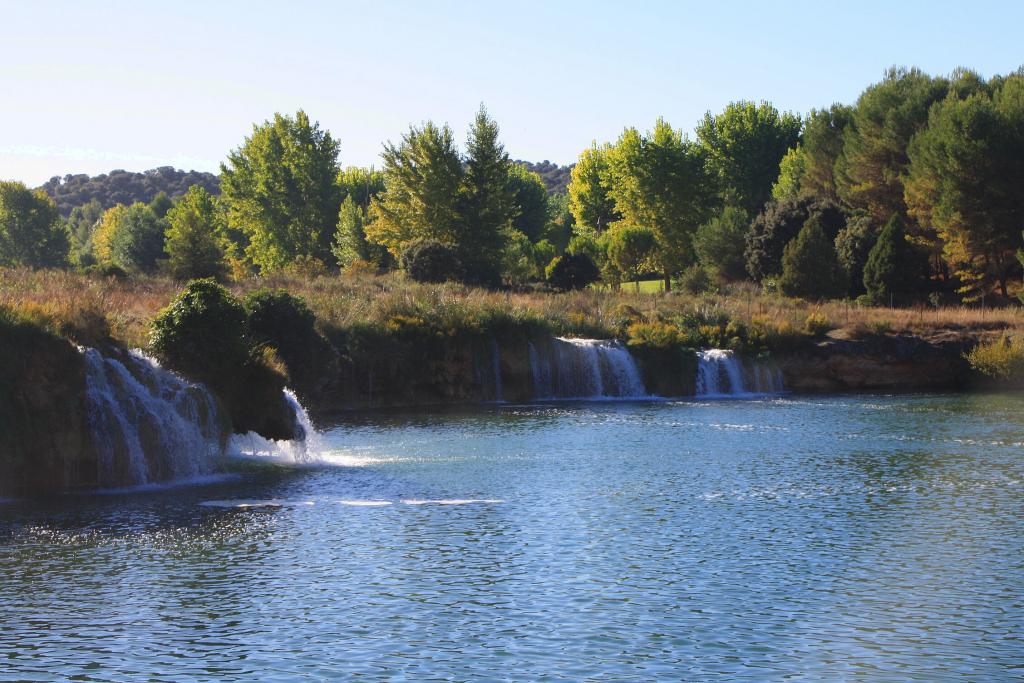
<point x="148" y="425"/>
<point x="305" y="449"/>
<point x="721" y="373"/>
<point x="584" y="368"/>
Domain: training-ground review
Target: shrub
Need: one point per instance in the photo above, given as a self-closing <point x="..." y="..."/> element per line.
<point x="810" y="268"/>
<point x="284" y="322"/>
<point x="572" y="271"/>
<point x="655" y="334"/>
<point x="201" y="332"/>
<point x="817" y="325"/>
<point x="431" y="261"/>
<point x="695" y="280"/>
<point x="1002" y="359"/>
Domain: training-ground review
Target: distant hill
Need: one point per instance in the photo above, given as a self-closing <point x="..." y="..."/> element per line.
<point x="125" y="187"/>
<point x="555" y="177"/>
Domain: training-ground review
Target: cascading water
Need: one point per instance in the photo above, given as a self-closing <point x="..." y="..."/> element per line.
<point x="149" y="425"/>
<point x="303" y="450"/>
<point x="721" y="373"/>
<point x="584" y="368"/>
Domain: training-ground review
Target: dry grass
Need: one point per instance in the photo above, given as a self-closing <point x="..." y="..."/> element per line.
<point x="347" y="302"/>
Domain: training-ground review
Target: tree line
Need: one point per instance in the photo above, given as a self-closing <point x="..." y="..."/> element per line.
<point x="914" y="192"/>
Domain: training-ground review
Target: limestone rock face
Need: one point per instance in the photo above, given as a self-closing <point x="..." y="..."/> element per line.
<point x="895" y="363"/>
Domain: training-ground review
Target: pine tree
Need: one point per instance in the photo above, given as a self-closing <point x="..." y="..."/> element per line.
<point x="195" y="242"/>
<point x="487" y="205"/>
<point x="810" y="268"/>
<point x="895" y="269"/>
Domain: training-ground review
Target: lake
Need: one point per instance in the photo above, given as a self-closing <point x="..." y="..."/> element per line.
<point x="864" y="538"/>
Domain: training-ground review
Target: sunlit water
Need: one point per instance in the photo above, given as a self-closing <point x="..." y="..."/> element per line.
<point x="867" y="538"/>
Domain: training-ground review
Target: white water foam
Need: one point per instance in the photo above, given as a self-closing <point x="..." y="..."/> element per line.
<point x="720" y="374"/>
<point x="148" y="425"/>
<point x="575" y="368"/>
<point x="307" y="449"/>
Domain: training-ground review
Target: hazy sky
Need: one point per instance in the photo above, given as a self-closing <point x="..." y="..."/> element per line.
<point x="92" y="86"/>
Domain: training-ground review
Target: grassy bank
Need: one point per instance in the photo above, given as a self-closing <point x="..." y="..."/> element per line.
<point x="84" y="307"/>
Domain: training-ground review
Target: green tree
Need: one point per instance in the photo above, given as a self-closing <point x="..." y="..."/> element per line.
<point x="630" y="248"/>
<point x="810" y="268"/>
<point x="853" y="245"/>
<point x="572" y="271"/>
<point x="31" y="230"/>
<point x="161" y="204"/>
<point x="81" y="224"/>
<point x="661" y="180"/>
<point x="350" y="238"/>
<point x="195" y="241"/>
<point x="422" y="178"/>
<point x="777" y="225"/>
<point x="361" y="184"/>
<point x="487" y="202"/>
<point x="894" y="272"/>
<point x="590" y="202"/>
<point x="745" y="144"/>
<point x="281" y="190"/>
<point x="874" y="160"/>
<point x="966" y="177"/>
<point x="530" y="202"/>
<point x="792" y="169"/>
<point x="822" y="146"/>
<point x="719" y="243"/>
<point x="130" y="237"/>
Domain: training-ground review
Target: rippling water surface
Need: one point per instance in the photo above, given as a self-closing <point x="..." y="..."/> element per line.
<point x="868" y="538"/>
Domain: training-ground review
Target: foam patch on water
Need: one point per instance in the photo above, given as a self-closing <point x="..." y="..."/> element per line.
<point x="450" y="501"/>
<point x="246" y="504"/>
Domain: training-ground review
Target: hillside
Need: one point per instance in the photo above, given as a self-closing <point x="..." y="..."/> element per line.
<point x="556" y="178"/>
<point x="124" y="187"/>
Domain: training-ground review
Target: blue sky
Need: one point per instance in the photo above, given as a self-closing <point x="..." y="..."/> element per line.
<point x="88" y="87"/>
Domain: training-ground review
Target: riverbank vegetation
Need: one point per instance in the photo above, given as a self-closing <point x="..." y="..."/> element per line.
<point x="908" y="196"/>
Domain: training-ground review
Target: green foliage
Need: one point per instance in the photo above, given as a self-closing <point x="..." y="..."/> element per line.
<point x="350" y="238"/>
<point x="654" y="334"/>
<point x="874" y="159"/>
<point x="81" y="224"/>
<point x="853" y="244"/>
<point x="745" y="144"/>
<point x="590" y="202"/>
<point x="281" y="190"/>
<point x="895" y="269"/>
<point x="195" y="241"/>
<point x="161" y="204"/>
<point x="202" y="333"/>
<point x="572" y="271"/>
<point x="792" y="169"/>
<point x="821" y="148"/>
<point x="124" y="187"/>
<point x="530" y="202"/>
<point x="422" y="177"/>
<point x="965" y="178"/>
<point x="284" y="322"/>
<point x="431" y="261"/>
<point x="487" y="203"/>
<point x="661" y="180"/>
<point x="695" y="280"/>
<point x="136" y="239"/>
<point x="361" y="185"/>
<point x="1001" y="359"/>
<point x="810" y="268"/>
<point x="518" y="263"/>
<point x="31" y="231"/>
<point x="719" y="243"/>
<point x="777" y="225"/>
<point x="631" y="248"/>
